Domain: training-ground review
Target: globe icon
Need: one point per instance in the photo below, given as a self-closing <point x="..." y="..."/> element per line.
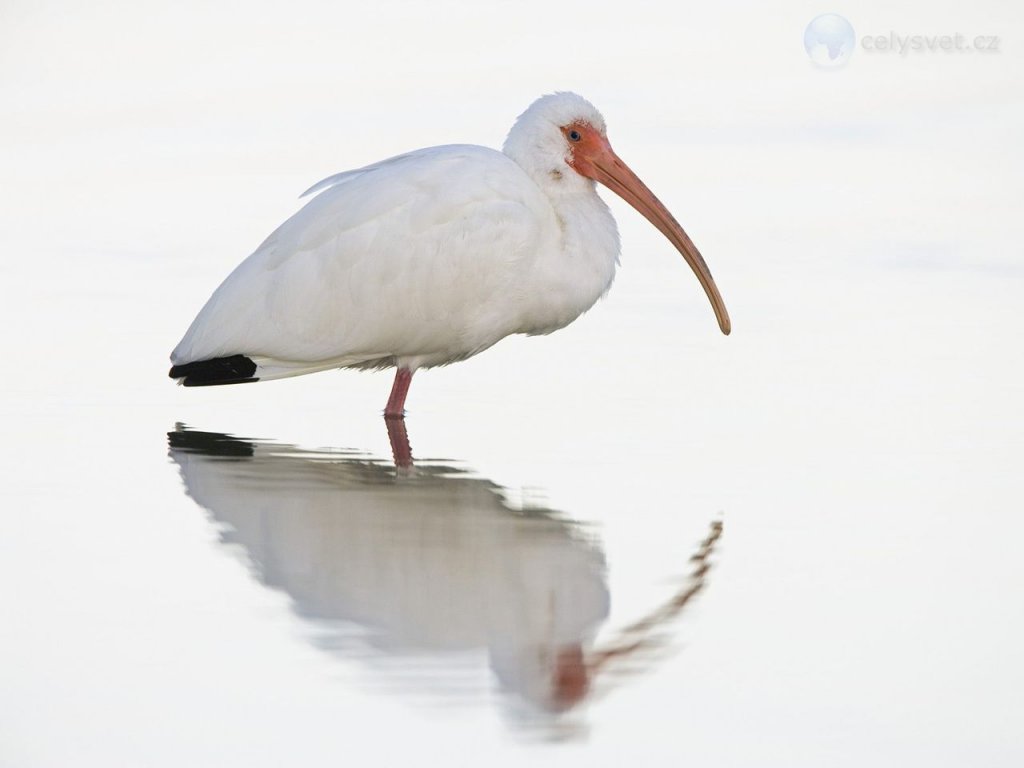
<point x="829" y="40"/>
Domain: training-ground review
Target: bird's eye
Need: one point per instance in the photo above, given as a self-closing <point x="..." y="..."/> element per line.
<point x="574" y="135"/>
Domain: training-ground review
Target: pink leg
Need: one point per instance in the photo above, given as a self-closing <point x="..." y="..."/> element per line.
<point x="395" y="409"/>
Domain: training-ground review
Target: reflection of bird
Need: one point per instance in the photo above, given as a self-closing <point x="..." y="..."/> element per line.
<point x="432" y="563"/>
<point x="431" y="257"/>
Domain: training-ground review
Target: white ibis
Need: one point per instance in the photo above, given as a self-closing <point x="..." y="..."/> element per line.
<point x="430" y="257"/>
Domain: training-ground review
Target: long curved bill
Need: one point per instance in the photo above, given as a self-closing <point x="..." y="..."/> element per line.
<point x="606" y="167"/>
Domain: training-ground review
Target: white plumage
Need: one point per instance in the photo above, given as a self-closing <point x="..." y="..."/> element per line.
<point x="425" y="258"/>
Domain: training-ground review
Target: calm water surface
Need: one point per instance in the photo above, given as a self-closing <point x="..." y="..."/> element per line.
<point x="813" y="543"/>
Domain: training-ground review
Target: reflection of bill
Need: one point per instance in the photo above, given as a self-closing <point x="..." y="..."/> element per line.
<point x="432" y="562"/>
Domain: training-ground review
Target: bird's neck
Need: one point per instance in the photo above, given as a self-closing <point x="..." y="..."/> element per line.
<point x="580" y="270"/>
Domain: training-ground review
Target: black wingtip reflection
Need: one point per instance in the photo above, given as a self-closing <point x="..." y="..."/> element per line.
<point x="209" y="443"/>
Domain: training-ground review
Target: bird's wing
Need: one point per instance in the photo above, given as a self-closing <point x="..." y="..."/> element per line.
<point x="417" y="255"/>
<point x="340" y="178"/>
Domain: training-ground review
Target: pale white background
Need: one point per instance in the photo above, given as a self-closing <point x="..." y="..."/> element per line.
<point x="859" y="433"/>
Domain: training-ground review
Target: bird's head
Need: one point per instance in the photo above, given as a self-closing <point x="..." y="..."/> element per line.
<point x="562" y="143"/>
<point x="539" y="141"/>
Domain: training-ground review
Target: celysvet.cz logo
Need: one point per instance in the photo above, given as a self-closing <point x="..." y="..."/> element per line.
<point x="907" y="44"/>
<point x="830" y="40"/>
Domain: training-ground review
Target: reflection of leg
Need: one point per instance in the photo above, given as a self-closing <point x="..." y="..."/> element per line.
<point x="395" y="409"/>
<point x="400" y="447"/>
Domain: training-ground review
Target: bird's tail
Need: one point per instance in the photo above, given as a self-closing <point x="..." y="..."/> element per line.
<point x="237" y="369"/>
<point x="242" y="369"/>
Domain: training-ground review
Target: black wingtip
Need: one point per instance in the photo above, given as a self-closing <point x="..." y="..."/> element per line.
<point x="236" y="369"/>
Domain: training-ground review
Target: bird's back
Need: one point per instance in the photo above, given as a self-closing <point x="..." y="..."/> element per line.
<point x="425" y="257"/>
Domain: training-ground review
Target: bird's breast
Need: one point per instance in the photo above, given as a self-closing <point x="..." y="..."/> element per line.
<point x="578" y="270"/>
